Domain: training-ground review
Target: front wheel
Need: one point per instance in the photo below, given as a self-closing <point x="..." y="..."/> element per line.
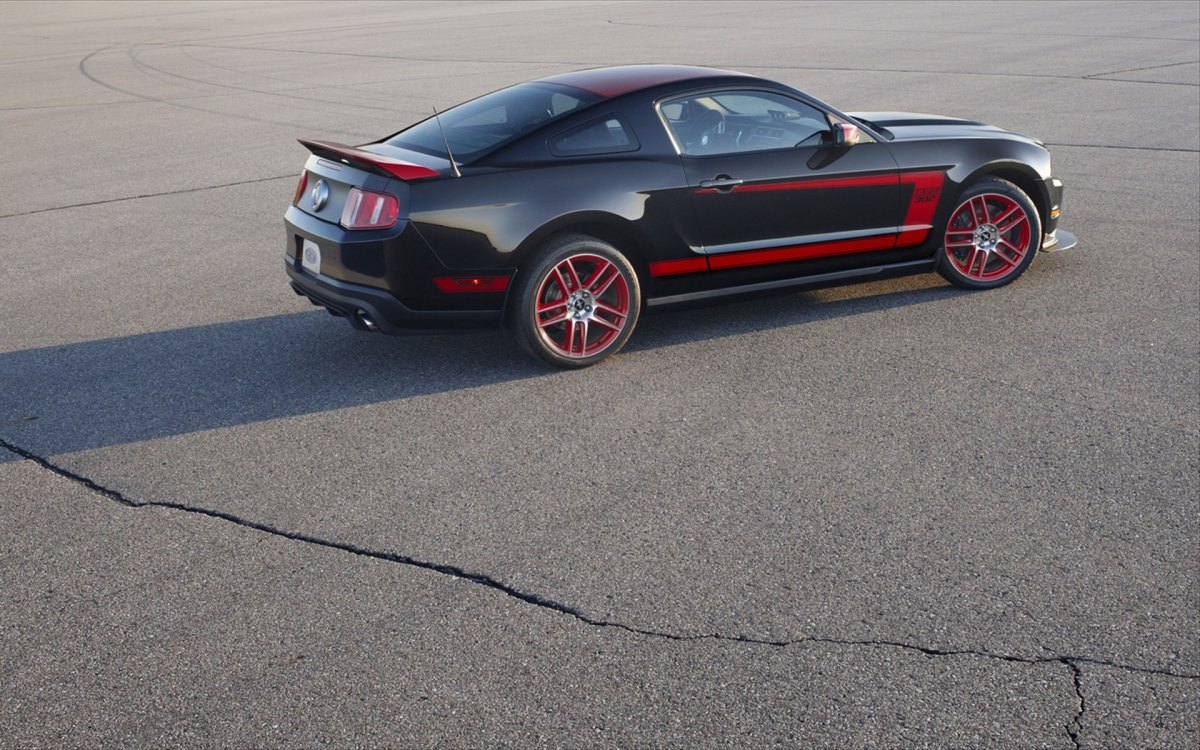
<point x="991" y="237"/>
<point x="576" y="302"/>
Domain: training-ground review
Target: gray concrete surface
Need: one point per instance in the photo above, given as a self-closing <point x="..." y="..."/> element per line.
<point x="886" y="515"/>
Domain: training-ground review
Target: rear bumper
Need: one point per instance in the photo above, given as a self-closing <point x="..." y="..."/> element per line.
<point x="370" y="309"/>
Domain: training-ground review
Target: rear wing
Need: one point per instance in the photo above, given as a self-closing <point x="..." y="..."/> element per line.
<point x="368" y="161"/>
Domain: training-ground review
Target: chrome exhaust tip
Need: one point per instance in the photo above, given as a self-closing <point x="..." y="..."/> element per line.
<point x="366" y="320"/>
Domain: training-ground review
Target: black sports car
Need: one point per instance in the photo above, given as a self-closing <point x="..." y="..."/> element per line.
<point x="563" y="206"/>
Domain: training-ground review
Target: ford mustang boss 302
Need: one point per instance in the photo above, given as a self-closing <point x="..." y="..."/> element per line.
<point x="562" y="207"/>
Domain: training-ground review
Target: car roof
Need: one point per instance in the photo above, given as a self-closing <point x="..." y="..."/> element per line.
<point x="622" y="79"/>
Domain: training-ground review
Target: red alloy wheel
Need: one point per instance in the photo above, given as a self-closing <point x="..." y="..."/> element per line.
<point x="582" y="305"/>
<point x="988" y="237"/>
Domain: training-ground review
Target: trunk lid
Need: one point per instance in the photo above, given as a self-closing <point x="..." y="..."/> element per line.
<point x="334" y="169"/>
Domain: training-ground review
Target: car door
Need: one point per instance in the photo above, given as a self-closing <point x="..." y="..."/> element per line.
<point x="770" y="185"/>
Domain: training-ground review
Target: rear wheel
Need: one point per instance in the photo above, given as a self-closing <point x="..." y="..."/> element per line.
<point x="991" y="237"/>
<point x="577" y="304"/>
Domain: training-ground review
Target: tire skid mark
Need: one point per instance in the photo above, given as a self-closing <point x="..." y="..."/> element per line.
<point x="83" y="69"/>
<point x="135" y="57"/>
<point x="717" y="64"/>
<point x="910" y="32"/>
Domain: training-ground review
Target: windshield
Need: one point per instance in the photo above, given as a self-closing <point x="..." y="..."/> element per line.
<point x="482" y="124"/>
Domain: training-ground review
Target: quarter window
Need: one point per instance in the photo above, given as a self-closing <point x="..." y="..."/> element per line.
<point x="728" y="122"/>
<point x="605" y="135"/>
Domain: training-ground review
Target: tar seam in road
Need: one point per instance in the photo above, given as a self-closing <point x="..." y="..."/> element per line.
<point x="148" y="195"/>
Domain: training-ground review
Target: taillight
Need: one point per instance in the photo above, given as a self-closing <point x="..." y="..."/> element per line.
<point x="367" y="210"/>
<point x="300" y="187"/>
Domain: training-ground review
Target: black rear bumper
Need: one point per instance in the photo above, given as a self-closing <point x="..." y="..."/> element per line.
<point x="370" y="309"/>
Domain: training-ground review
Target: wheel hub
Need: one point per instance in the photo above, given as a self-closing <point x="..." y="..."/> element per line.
<point x="987" y="236"/>
<point x="581" y="304"/>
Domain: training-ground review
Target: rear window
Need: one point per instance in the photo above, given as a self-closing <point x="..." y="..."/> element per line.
<point x="483" y="124"/>
<point x="604" y="135"/>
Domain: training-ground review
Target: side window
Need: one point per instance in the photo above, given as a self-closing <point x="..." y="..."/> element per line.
<point x="727" y="122"/>
<point x="609" y="134"/>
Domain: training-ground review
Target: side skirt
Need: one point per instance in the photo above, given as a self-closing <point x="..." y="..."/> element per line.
<point x="892" y="269"/>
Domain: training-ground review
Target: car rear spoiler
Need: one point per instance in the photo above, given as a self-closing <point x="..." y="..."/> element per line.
<point x="368" y="161"/>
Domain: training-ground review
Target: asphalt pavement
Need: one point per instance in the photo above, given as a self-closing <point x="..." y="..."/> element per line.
<point x="894" y="514"/>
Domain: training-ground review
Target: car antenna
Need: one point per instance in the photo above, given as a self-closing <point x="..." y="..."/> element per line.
<point x="453" y="163"/>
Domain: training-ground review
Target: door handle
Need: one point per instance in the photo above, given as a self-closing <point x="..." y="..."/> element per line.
<point x="722" y="183"/>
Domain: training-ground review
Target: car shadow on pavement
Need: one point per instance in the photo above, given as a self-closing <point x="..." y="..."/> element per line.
<point x="94" y="394"/>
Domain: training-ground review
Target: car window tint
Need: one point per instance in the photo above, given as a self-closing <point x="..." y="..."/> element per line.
<point x="606" y="135"/>
<point x="736" y="121"/>
<point x="483" y="124"/>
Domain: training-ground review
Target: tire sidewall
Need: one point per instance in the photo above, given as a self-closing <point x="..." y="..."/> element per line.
<point x="1008" y="189"/>
<point x="522" y="318"/>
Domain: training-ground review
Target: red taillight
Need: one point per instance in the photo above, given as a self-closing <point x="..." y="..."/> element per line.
<point x="300" y="187"/>
<point x="367" y="210"/>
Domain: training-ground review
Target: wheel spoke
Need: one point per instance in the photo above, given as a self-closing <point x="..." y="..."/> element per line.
<point x="551" y="306"/>
<point x="1011" y="224"/>
<point x="982" y="256"/>
<point x="999" y="220"/>
<point x="604" y="306"/>
<point x="601" y="268"/>
<point x="570" y="334"/>
<point x="571" y="275"/>
<point x="562" y="283"/>
<point x="601" y="288"/>
<point x="611" y="326"/>
<point x="561" y="319"/>
<point x="1010" y="261"/>
<point x="979" y="210"/>
<point x="582" y="326"/>
<point x="961" y="243"/>
<point x="1019" y="252"/>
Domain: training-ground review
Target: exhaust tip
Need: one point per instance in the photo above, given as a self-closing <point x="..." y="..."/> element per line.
<point x="366" y="320"/>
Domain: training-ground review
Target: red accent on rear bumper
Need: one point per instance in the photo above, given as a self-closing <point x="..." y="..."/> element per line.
<point x="465" y="284"/>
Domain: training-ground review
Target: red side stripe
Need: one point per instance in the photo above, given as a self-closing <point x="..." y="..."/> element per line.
<point x="927" y="190"/>
<point x="819" y="184"/>
<point x="673" y="267"/>
<point x="799" y="252"/>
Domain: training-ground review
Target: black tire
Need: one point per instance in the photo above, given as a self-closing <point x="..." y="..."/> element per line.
<point x="992" y="236"/>
<point x="575" y="302"/>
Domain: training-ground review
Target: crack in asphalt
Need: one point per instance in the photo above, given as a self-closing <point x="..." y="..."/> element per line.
<point x="1073" y="663"/>
<point x="1076" y="727"/>
<point x="148" y="195"/>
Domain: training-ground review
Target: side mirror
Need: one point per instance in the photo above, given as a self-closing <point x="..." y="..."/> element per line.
<point x="845" y="135"/>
